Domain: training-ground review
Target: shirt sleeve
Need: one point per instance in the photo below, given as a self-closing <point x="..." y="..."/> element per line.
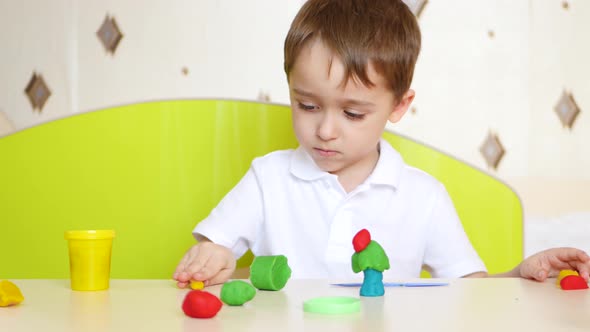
<point x="235" y="221"/>
<point x="449" y="253"/>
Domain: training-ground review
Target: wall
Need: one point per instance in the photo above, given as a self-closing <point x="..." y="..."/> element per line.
<point x="36" y="36"/>
<point x="231" y="49"/>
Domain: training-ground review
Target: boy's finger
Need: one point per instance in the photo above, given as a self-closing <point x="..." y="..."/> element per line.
<point x="583" y="269"/>
<point x="211" y="268"/>
<point x="569" y="254"/>
<point x="198" y="264"/>
<point x="183" y="277"/>
<point x="215" y="264"/>
<point x="583" y="256"/>
<point x="540" y="275"/>
<point x="564" y="261"/>
<point x="181" y="273"/>
<point x="537" y="271"/>
<point x="182" y="284"/>
<point x="221" y="277"/>
<point x="181" y="266"/>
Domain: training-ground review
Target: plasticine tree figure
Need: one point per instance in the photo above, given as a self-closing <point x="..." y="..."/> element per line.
<point x="370" y="258"/>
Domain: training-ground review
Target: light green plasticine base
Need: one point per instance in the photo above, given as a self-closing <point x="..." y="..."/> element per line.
<point x="332" y="305"/>
<point x="270" y="272"/>
<point x="237" y="292"/>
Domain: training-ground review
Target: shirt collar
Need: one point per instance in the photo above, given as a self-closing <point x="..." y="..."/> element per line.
<point x="389" y="166"/>
<point x="387" y="171"/>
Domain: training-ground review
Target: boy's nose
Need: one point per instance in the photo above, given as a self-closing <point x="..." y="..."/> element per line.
<point x="327" y="128"/>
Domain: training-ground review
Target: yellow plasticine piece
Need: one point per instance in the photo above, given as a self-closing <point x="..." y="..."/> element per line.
<point x="9" y="294"/>
<point x="565" y="273"/>
<point x="197" y="285"/>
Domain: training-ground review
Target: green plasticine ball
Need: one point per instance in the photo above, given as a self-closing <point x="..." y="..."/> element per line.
<point x="270" y="272"/>
<point x="237" y="292"/>
<point x="372" y="257"/>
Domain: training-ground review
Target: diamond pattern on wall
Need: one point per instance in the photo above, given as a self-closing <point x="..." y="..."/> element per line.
<point x="567" y="110"/>
<point x="565" y="5"/>
<point x="109" y="34"/>
<point x="38" y="92"/>
<point x="416" y="6"/>
<point x="492" y="150"/>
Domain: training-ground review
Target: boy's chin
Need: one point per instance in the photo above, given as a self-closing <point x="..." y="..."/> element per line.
<point x="329" y="167"/>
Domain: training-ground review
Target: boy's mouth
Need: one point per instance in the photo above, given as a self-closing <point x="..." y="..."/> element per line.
<point x="325" y="153"/>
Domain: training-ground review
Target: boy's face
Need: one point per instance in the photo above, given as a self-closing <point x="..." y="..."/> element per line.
<point x="338" y="124"/>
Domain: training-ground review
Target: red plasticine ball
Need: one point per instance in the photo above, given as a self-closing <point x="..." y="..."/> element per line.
<point x="573" y="282"/>
<point x="361" y="240"/>
<point x="201" y="304"/>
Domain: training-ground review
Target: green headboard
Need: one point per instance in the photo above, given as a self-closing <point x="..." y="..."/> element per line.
<point x="152" y="170"/>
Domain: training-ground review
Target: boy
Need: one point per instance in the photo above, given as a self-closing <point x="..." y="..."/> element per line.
<point x="349" y="65"/>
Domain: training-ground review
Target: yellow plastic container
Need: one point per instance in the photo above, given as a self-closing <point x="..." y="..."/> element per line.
<point x="90" y="258"/>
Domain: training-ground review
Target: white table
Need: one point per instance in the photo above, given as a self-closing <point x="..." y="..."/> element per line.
<point x="155" y="305"/>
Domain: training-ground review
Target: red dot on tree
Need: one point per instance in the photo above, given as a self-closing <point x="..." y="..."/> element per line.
<point x="361" y="240"/>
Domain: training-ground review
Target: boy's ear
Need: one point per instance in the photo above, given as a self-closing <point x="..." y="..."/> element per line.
<point x="400" y="109"/>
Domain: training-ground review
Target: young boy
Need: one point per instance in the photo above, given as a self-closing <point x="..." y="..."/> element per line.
<point x="349" y="65"/>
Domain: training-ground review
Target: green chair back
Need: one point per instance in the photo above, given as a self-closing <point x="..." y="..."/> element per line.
<point x="150" y="171"/>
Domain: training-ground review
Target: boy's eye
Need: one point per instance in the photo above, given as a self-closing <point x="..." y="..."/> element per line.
<point x="354" y="116"/>
<point x="306" y="107"/>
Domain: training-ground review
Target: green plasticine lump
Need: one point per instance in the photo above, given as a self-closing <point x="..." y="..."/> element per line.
<point x="270" y="272"/>
<point x="372" y="257"/>
<point x="237" y="292"/>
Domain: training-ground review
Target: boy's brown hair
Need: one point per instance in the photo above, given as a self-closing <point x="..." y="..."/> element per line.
<point x="382" y="32"/>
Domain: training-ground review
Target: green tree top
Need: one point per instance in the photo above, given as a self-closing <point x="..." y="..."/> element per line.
<point x="372" y="257"/>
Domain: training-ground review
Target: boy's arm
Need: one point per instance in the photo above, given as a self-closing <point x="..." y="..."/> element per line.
<point x="225" y="234"/>
<point x="236" y="221"/>
<point x="547" y="264"/>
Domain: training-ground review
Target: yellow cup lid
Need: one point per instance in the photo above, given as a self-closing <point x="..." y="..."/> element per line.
<point x="89" y="234"/>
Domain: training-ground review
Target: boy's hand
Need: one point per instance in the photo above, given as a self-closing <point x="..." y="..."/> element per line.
<point x="207" y="262"/>
<point x="549" y="262"/>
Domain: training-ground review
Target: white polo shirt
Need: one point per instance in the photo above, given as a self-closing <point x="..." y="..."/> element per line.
<point x="286" y="205"/>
